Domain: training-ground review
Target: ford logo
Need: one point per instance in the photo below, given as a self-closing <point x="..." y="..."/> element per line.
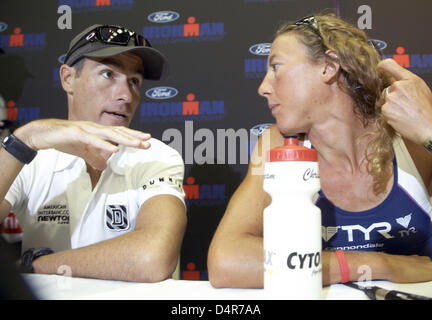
<point x="3" y="26"/>
<point x="163" y="16"/>
<point x="61" y="59"/>
<point x="381" y="44"/>
<point x="260" y="128"/>
<point x="161" y="93"/>
<point x="260" y="49"/>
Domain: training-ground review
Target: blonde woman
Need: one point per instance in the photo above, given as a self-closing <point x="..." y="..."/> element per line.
<point x="323" y="80"/>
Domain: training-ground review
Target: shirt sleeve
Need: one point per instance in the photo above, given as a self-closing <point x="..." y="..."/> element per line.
<point x="15" y="194"/>
<point x="161" y="176"/>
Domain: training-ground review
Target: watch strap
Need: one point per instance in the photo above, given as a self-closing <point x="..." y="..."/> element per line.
<point x="18" y="149"/>
<point x="31" y="255"/>
<point x="427" y="144"/>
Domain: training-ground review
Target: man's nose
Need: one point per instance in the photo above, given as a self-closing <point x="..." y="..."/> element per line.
<point x="124" y="91"/>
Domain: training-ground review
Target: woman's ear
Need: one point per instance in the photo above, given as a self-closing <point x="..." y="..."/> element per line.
<point x="67" y="77"/>
<point x="331" y="67"/>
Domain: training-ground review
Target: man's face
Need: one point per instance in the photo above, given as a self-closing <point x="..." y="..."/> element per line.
<point x="107" y="91"/>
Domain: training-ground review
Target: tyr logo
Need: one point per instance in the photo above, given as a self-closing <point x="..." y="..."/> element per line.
<point x="384" y="230"/>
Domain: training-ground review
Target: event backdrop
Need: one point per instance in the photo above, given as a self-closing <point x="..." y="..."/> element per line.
<point x="208" y="107"/>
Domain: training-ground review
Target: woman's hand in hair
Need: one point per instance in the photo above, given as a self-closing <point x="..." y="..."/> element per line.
<point x="407" y="102"/>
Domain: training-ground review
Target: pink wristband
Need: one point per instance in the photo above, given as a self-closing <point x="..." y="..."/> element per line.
<point x="343" y="265"/>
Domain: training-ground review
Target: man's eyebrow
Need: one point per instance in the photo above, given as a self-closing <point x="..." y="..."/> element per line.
<point x="117" y="64"/>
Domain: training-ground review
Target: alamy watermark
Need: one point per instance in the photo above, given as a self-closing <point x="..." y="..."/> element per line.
<point x="222" y="146"/>
<point x="65" y="282"/>
<point x="65" y="20"/>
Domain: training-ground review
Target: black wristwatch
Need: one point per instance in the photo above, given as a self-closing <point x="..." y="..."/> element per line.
<point x="31" y="255"/>
<point x="18" y="149"/>
<point x="427" y="144"/>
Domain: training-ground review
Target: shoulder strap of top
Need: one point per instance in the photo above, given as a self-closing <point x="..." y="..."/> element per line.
<point x="404" y="160"/>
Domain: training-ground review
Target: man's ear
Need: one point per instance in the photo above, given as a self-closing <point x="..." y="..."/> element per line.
<point x="67" y="77"/>
<point x="331" y="67"/>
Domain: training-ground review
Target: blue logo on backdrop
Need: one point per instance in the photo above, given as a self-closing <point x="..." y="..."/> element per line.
<point x="161" y="93"/>
<point x="381" y="44"/>
<point x="61" y="59"/>
<point x="3" y="26"/>
<point x="418" y="63"/>
<point x="179" y="111"/>
<point x="256" y="68"/>
<point x="192" y="30"/>
<point x="163" y="16"/>
<point x="261" y="49"/>
<point x="203" y="195"/>
<point x="97" y="5"/>
<point x="19" y="41"/>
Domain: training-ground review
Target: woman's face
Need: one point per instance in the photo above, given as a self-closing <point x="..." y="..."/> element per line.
<point x="293" y="85"/>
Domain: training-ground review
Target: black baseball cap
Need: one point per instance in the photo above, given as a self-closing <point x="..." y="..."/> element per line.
<point x="102" y="41"/>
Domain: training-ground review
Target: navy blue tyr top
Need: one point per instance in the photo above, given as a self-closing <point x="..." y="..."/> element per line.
<point x="401" y="224"/>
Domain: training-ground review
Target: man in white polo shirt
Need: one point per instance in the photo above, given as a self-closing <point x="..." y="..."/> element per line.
<point x="96" y="198"/>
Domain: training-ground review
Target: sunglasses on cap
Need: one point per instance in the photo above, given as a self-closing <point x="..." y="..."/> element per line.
<point x="111" y="35"/>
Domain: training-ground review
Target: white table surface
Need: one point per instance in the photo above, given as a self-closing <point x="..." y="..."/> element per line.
<point x="60" y="287"/>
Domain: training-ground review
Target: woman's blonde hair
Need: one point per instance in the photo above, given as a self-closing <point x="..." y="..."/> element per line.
<point x="358" y="59"/>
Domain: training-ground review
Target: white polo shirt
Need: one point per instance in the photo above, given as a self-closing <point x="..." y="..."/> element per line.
<point x="53" y="199"/>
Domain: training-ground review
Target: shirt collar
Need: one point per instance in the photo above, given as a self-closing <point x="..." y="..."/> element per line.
<point x="65" y="160"/>
<point x="117" y="161"/>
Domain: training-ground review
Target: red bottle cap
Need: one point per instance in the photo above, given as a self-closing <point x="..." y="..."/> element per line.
<point x="291" y="151"/>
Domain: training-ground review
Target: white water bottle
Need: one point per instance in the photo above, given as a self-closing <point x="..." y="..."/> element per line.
<point x="292" y="223"/>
